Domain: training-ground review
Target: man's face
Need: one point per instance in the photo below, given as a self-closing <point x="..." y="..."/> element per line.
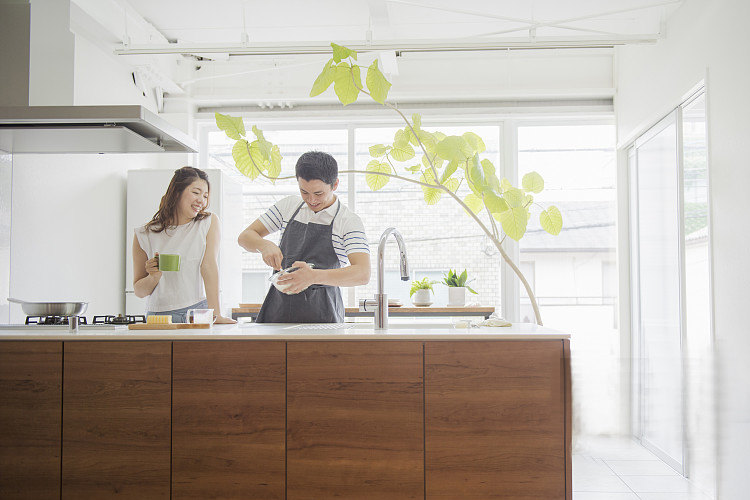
<point x="317" y="194"/>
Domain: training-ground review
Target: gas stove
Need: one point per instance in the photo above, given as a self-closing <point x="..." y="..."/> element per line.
<point x="64" y="322"/>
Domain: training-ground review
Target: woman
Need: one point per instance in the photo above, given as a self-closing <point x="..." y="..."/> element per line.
<point x="180" y="226"/>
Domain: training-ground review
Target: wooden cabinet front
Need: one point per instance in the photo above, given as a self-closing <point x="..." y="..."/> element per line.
<point x="496" y="421"/>
<point x="354" y="421"/>
<point x="116" y="420"/>
<point x="30" y="408"/>
<point x="228" y="420"/>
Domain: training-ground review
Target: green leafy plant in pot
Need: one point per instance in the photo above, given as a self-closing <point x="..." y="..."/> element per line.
<point x="420" y="291"/>
<point x="457" y="285"/>
<point x="439" y="163"/>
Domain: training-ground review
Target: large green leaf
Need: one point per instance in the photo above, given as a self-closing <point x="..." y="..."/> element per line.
<point x="431" y="196"/>
<point x="514" y="197"/>
<point x="340" y="52"/>
<point x="489" y="174"/>
<point x="494" y="203"/>
<point x="449" y="170"/>
<point x="375" y="181"/>
<point x="428" y="140"/>
<point x="402" y="150"/>
<point x="274" y="167"/>
<point x="377" y="84"/>
<point x="505" y="185"/>
<point x="347" y="83"/>
<point x="378" y="150"/>
<point x="533" y="182"/>
<point x="453" y="147"/>
<point x="474" y="203"/>
<point x="476" y="142"/>
<point x="514" y="221"/>
<point x="453" y="184"/>
<point x="551" y="220"/>
<point x="241" y="155"/>
<point x="325" y="79"/>
<point x="475" y="174"/>
<point x="262" y="143"/>
<point x="233" y="126"/>
<point x="437" y="162"/>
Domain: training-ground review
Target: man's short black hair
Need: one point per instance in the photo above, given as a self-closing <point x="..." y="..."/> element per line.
<point x="317" y="165"/>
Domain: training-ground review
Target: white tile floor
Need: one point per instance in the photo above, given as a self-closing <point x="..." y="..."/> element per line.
<point x="609" y="468"/>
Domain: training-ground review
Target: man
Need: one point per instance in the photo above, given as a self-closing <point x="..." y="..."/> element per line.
<point x="318" y="236"/>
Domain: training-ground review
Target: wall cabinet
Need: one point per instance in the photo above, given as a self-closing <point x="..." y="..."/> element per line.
<point x="285" y="419"/>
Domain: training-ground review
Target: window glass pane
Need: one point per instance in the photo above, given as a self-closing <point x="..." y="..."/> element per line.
<point x="438" y="237"/>
<point x="574" y="273"/>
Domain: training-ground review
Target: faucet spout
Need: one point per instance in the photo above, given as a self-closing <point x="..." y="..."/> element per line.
<point x="380" y="304"/>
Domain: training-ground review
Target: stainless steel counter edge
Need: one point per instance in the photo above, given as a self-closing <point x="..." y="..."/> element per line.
<point x="254" y="331"/>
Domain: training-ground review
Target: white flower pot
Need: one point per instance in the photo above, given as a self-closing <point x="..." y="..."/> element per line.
<point x="422" y="297"/>
<point x="456" y="296"/>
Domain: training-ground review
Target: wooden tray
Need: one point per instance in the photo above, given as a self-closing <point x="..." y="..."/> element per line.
<point x="167" y="326"/>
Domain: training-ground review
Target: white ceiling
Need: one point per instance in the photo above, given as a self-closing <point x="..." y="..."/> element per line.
<point x="186" y="46"/>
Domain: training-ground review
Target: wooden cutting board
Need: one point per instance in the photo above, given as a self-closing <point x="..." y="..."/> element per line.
<point x="167" y="326"/>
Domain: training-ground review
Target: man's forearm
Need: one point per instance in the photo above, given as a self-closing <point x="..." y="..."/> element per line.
<point x="344" y="276"/>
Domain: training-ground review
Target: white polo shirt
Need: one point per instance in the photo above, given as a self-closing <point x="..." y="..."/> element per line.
<point x="347" y="234"/>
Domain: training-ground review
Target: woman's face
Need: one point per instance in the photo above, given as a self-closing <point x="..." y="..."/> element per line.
<point x="192" y="200"/>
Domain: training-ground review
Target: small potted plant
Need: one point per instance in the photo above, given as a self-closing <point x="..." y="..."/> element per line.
<point x="420" y="292"/>
<point x="457" y="285"/>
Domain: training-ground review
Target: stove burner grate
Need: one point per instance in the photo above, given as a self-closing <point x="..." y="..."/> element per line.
<point x="52" y="320"/>
<point x="119" y="319"/>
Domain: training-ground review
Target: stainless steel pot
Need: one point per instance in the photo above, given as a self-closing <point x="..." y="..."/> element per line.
<point x="51" y="308"/>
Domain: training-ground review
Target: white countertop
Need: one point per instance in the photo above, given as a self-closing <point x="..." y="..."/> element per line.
<point x="256" y="331"/>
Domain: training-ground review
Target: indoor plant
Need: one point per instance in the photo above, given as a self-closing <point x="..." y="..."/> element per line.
<point x="438" y="163"/>
<point x="457" y="285"/>
<point x="420" y="291"/>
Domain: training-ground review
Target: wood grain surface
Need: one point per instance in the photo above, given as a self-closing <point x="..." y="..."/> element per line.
<point x="116" y="420"/>
<point x="495" y="424"/>
<point x="30" y="420"/>
<point x="168" y="326"/>
<point x="355" y="420"/>
<point x="228" y="420"/>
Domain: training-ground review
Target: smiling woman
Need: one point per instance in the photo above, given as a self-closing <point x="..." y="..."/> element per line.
<point x="180" y="227"/>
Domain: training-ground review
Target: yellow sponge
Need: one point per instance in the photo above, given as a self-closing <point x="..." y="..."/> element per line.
<point x="159" y="319"/>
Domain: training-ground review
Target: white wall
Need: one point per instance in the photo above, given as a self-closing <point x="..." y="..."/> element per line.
<point x="68" y="227"/>
<point x="709" y="40"/>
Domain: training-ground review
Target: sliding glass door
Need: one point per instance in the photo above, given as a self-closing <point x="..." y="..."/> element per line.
<point x="658" y="223"/>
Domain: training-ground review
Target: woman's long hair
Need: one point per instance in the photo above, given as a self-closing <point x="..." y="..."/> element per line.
<point x="166" y="216"/>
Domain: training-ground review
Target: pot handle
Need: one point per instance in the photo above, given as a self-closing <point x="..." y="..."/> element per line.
<point x="16" y="300"/>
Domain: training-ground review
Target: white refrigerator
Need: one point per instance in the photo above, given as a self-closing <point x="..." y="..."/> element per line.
<point x="145" y="189"/>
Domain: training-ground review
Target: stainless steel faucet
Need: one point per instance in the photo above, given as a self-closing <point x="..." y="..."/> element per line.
<point x="380" y="303"/>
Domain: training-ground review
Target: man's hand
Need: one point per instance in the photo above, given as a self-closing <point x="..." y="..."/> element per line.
<point x="272" y="255"/>
<point x="298" y="280"/>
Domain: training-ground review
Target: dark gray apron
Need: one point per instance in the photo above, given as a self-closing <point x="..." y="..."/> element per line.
<point x="310" y="243"/>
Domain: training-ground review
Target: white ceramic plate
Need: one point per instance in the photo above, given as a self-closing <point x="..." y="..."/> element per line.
<point x="425" y="304"/>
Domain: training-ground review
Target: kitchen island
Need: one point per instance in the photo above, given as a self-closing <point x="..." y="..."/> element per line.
<point x="286" y="411"/>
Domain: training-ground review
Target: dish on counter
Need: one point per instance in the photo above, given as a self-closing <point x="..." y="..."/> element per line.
<point x="422" y="304"/>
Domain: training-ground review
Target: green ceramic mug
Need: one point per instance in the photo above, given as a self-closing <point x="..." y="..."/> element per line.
<point x="169" y="262"/>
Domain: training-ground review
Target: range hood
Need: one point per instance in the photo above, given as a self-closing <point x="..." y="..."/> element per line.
<point x="89" y="129"/>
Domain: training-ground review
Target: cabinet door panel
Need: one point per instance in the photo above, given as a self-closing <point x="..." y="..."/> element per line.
<point x="228" y="426"/>
<point x="495" y="425"/>
<point x="30" y="409"/>
<point x="116" y="420"/>
<point x="355" y="420"/>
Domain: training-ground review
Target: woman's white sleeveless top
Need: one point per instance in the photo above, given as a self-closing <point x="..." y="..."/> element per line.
<point x="177" y="289"/>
